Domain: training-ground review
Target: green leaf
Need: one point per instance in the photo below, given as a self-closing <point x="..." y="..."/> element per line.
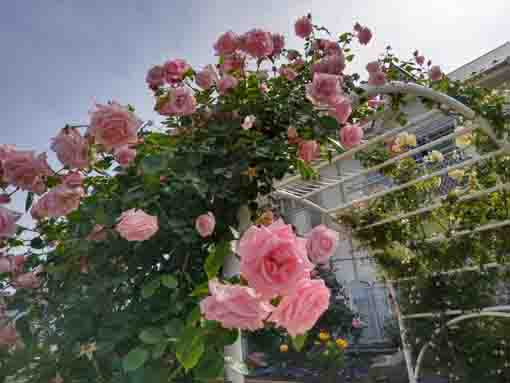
<point x="37" y="243"/>
<point x="151" y="335"/>
<point x="169" y="281"/>
<point x="152" y="165"/>
<point x="336" y="144"/>
<point x="159" y="350"/>
<point x="150" y="288"/>
<point x="174" y="328"/>
<point x="299" y="341"/>
<point x="135" y="359"/>
<point x="211" y="366"/>
<point x="29" y="201"/>
<point x="193" y="317"/>
<point x="201" y="290"/>
<point x="216" y="258"/>
<point x="190" y="347"/>
<point x="329" y="123"/>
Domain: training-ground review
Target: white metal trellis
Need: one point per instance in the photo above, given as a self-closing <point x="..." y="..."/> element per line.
<point x="306" y="192"/>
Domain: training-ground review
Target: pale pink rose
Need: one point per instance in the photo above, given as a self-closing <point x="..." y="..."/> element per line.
<point x="73" y="179"/>
<point x="235" y="307"/>
<point x="303" y="27"/>
<point x="97" y="234"/>
<point x="264" y="88"/>
<point x="309" y="150"/>
<point x="351" y="135"/>
<point x="420" y="60"/>
<point x="5" y="150"/>
<point x="17" y="262"/>
<point x="24" y="169"/>
<point x="207" y="77"/>
<point x="435" y="73"/>
<point x="137" y="225"/>
<point x="322" y="243"/>
<point x="205" y="224"/>
<point x="175" y="70"/>
<point x="5" y="266"/>
<point x="357" y="324"/>
<point x="364" y="35"/>
<point x="233" y="62"/>
<point x="273" y="259"/>
<point x="324" y="88"/>
<point x="278" y="44"/>
<point x="155" y="77"/>
<point x="377" y="78"/>
<point x="181" y="102"/>
<point x="331" y="48"/>
<point x="287" y="72"/>
<point x="59" y="201"/>
<point x="292" y="135"/>
<point x="226" y="83"/>
<point x="125" y="155"/>
<point x="4" y="199"/>
<point x="28" y="280"/>
<point x="332" y="64"/>
<point x="248" y="122"/>
<point x="341" y="109"/>
<point x="72" y="148"/>
<point x="227" y="43"/>
<point x="301" y="309"/>
<point x="8" y="219"/>
<point x="8" y="335"/>
<point x="113" y="125"/>
<point x="257" y="43"/>
<point x="373" y="67"/>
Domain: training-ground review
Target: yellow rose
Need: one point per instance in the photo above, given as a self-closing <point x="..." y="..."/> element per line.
<point x="464" y="140"/>
<point x="284" y="348"/>
<point x="435" y="156"/>
<point x="457" y="174"/>
<point x="324" y="336"/>
<point x="342" y="343"/>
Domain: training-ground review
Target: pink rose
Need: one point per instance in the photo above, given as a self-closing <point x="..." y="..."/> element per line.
<point x="364" y="35"/>
<point x="309" y="150"/>
<point x="4" y="199"/>
<point x="5" y="150"/>
<point x="28" y="280"/>
<point x="357" y="324"/>
<point x="227" y="43"/>
<point x="23" y="169"/>
<point x="125" y="155"/>
<point x="207" y="77"/>
<point x="113" y="125"/>
<point x="332" y="64"/>
<point x="273" y="259"/>
<point x="331" y="48"/>
<point x="373" y="67"/>
<point x="322" y="243"/>
<point x="248" y="122"/>
<point x="226" y="83"/>
<point x="292" y="135"/>
<point x="137" y="225"/>
<point x="264" y="88"/>
<point x="8" y="219"/>
<point x="301" y="309"/>
<point x="235" y="306"/>
<point x="5" y="266"/>
<point x="351" y="136"/>
<point x="205" y="224"/>
<point x="72" y="148"/>
<point x="303" y="27"/>
<point x="8" y="335"/>
<point x="155" y="77"/>
<point x="11" y="264"/>
<point x="59" y="201"/>
<point x="257" y="43"/>
<point x="293" y="54"/>
<point x="377" y="78"/>
<point x="180" y="103"/>
<point x="287" y="72"/>
<point x="420" y="60"/>
<point x="324" y="88"/>
<point x="175" y="70"/>
<point x="73" y="179"/>
<point x="233" y="62"/>
<point x="278" y="44"/>
<point x="341" y="109"/>
<point x="435" y="73"/>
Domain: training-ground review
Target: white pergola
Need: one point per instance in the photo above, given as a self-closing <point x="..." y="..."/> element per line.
<point x="304" y="192"/>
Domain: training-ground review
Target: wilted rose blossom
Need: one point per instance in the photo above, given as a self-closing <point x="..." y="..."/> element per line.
<point x="235" y="306"/>
<point x="226" y="83"/>
<point x="332" y="64"/>
<point x="257" y="43"/>
<point x="287" y="72"/>
<point x="377" y="78"/>
<point x="301" y="309"/>
<point x="175" y="70"/>
<point x="309" y="150"/>
<point x="322" y="243"/>
<point x="364" y="34"/>
<point x="233" y="62"/>
<point x="351" y="135"/>
<point x="264" y="88"/>
<point x="72" y="148"/>
<point x="22" y="168"/>
<point x="435" y="73"/>
<point x="125" y="155"/>
<point x="97" y="234"/>
<point x="293" y="54"/>
<point x="278" y="44"/>
<point x="341" y="109"/>
<point x="248" y="122"/>
<point x="303" y="27"/>
<point x="273" y="259"/>
<point x="28" y="280"/>
<point x="420" y="60"/>
<point x="324" y="88"/>
<point x="155" y="77"/>
<point x="181" y="102"/>
<point x="113" y="125"/>
<point x="73" y="179"/>
<point x="4" y="199"/>
<point x="137" y="225"/>
<point x="8" y="219"/>
<point x="8" y="335"/>
<point x="207" y="77"/>
<point x="59" y="201"/>
<point x="205" y="224"/>
<point x="227" y="43"/>
<point x="373" y="67"/>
